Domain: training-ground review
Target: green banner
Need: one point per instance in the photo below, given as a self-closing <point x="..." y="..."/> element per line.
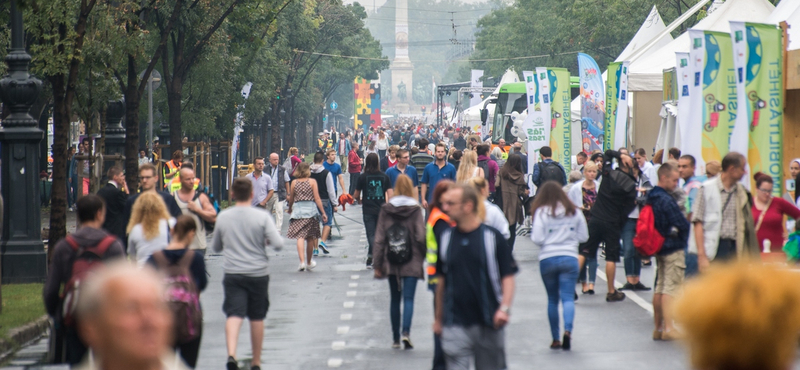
<point x="613" y="74"/>
<point x="561" y="120"/>
<point x="719" y="95"/>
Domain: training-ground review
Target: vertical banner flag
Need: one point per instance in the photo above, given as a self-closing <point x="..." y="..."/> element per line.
<point x="758" y="59"/>
<point x="560" y="117"/>
<point x="367" y="102"/>
<point x="616" y="119"/>
<point x="237" y="129"/>
<point x="683" y="75"/>
<point x="717" y="111"/>
<point x="592" y="103"/>
<point x="693" y="143"/>
<point x="537" y="123"/>
<point x="476" y="86"/>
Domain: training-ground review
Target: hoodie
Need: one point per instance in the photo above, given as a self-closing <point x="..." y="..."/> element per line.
<point x="61" y="264"/>
<point x="407" y="212"/>
<point x="558" y="235"/>
<point x="493" y="169"/>
<point x="318" y="168"/>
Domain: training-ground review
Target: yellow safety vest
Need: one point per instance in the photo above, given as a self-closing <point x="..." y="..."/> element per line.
<point x="432" y="256"/>
<point x="172" y="167"/>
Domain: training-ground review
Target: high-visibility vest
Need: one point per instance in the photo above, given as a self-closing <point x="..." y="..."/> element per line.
<point x="432" y="256"/>
<point x="171" y="167"/>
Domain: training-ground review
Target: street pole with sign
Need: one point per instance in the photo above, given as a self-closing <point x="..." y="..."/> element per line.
<point x="153" y="83"/>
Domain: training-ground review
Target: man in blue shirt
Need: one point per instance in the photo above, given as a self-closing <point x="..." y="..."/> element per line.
<point x="402" y="167"/>
<point x="436" y="171"/>
<point x="335" y="169"/>
<point x="686" y="168"/>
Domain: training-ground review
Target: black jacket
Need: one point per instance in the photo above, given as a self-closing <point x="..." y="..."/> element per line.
<point x="115" y="209"/>
<point x="616" y="197"/>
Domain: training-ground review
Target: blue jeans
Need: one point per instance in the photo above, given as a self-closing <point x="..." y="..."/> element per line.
<point x="590" y="269"/>
<point x="370" y="224"/>
<point x="633" y="264"/>
<point x="405" y="287"/>
<point x="559" y="274"/>
<point x="327" y="205"/>
<point x="691" y="265"/>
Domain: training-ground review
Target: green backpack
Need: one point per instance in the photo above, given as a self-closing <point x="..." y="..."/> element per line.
<point x="792" y="247"/>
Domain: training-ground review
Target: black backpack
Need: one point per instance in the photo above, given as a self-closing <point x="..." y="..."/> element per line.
<point x="484" y="164"/>
<point x="398" y="241"/>
<point x="550" y="171"/>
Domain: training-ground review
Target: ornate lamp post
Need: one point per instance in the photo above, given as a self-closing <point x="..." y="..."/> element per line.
<point x="23" y="255"/>
<point x="115" y="133"/>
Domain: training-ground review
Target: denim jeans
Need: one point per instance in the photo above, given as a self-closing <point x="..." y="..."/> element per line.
<point x="691" y="265"/>
<point x="632" y="261"/>
<point x="559" y="274"/>
<point x="589" y="272"/>
<point x="405" y="289"/>
<point x="370" y="224"/>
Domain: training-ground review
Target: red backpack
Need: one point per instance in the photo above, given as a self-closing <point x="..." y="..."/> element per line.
<point x="648" y="240"/>
<point x="86" y="260"/>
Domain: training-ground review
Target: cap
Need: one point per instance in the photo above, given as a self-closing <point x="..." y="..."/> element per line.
<point x="321" y="133"/>
<point x="326" y="132"/>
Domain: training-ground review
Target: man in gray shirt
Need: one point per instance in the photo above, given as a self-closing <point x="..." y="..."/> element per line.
<point x="262" y="185"/>
<point x="242" y="234"/>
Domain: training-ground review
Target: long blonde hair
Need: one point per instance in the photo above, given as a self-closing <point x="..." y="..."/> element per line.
<point x="148" y="210"/>
<point x="467" y="166"/>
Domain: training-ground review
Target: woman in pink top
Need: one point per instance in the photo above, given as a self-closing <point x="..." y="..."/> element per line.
<point x="295" y="159"/>
<point x="768" y="213"/>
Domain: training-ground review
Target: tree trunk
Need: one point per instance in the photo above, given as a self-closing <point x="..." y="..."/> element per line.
<point x="132" y="100"/>
<point x="58" y="205"/>
<point x="174" y="96"/>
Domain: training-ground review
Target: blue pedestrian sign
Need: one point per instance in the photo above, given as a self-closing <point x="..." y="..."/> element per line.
<point x="334" y="105"/>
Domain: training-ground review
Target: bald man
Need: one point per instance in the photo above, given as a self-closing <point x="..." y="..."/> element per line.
<point x="125" y="320"/>
<point x="196" y="204"/>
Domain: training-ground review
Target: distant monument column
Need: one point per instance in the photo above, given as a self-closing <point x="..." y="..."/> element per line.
<point x="402" y="83"/>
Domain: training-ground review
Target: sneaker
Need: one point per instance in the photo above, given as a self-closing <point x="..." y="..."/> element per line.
<point x="407" y="342"/>
<point x="323" y="247"/>
<point x="369" y="262"/>
<point x="640" y="286"/>
<point x="302" y="266"/>
<point x="615" y="297"/>
<point x="628" y="286"/>
<point x="316" y="252"/>
<point x="396" y="345"/>
<point x="566" y="342"/>
<point x="71" y="209"/>
<point x="232" y="364"/>
<point x="312" y="265"/>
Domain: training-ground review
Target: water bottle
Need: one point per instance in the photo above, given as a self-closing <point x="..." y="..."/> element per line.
<point x="767" y="245"/>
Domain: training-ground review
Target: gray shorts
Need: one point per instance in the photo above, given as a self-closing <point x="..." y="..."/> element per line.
<point x="479" y="344"/>
<point x="245" y="296"/>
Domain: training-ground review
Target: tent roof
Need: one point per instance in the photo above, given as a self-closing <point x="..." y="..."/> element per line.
<point x="649" y="29"/>
<point x="789" y="11"/>
<point x="646" y="73"/>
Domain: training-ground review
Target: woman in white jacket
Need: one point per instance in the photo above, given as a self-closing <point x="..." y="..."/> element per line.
<point x="583" y="196"/>
<point x="558" y="228"/>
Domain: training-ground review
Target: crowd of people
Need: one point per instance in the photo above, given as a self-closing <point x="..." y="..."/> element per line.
<point x="439" y="204"/>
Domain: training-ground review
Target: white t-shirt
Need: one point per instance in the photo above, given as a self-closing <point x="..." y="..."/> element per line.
<point x="141" y="249"/>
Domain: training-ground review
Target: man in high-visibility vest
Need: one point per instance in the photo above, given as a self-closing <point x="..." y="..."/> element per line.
<point x="171" y="169"/>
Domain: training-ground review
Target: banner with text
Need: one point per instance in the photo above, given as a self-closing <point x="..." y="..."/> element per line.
<point x="560" y="116"/>
<point x="684" y="80"/>
<point x="758" y="59"/>
<point x="616" y="119"/>
<point x="537" y="123"/>
<point x="592" y="104"/>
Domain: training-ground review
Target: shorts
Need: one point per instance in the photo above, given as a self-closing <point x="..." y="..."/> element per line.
<point x="246" y="296"/>
<point x="327" y="205"/>
<point x="601" y="231"/>
<point x="670" y="272"/>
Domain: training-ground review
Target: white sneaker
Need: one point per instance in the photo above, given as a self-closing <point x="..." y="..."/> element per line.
<point x="302" y="266"/>
<point x="312" y="265"/>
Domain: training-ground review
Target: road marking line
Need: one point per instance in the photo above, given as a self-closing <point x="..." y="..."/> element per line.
<point x="353" y="285"/>
<point x="630" y="294"/>
<point x="337" y="345"/>
<point x="346" y="316"/>
<point x="335" y="362"/>
<point x="349" y="304"/>
<point x="342" y="330"/>
<point x="352" y="293"/>
<point x="362" y="240"/>
<point x="354" y="277"/>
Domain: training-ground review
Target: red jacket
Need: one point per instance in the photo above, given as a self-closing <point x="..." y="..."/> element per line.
<point x="353" y="162"/>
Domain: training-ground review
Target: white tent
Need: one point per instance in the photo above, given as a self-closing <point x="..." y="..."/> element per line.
<point x="789" y="11"/>
<point x="651" y="28"/>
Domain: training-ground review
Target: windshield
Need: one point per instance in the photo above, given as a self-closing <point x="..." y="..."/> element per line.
<point x="501" y="123"/>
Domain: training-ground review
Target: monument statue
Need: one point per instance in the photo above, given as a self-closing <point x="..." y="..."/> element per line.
<point x="401" y="68"/>
<point x="401" y="91"/>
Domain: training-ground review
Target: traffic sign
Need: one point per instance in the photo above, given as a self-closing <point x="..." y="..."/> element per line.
<point x="334" y="105"/>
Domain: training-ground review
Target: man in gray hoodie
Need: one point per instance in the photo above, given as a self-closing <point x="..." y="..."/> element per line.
<point x="242" y="234"/>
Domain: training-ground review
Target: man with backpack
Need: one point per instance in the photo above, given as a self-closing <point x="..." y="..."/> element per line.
<point x="72" y="260"/>
<point x="490" y="167"/>
<point x="673" y="226"/>
<point x="548" y="169"/>
<point x="196" y="204"/>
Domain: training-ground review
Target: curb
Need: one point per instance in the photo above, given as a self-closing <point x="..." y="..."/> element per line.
<point x="22" y="335"/>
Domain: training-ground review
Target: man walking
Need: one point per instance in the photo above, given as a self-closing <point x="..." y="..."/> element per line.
<point x="115" y="194"/>
<point x="354" y="168"/>
<point x="421" y="159"/>
<point x="263" y="190"/>
<point x="279" y="177"/>
<point x="671" y="259"/>
<point x="435" y="172"/>
<point x="473" y="295"/>
<point x="342" y="148"/>
<point x="242" y="234"/>
<point x="148" y="182"/>
<point x="335" y="169"/>
<point x="522" y="156"/>
<point x="195" y="203"/>
<point x="402" y="167"/>
<point x="548" y="169"/>
<point x="691" y="184"/>
<point x="723" y="227"/>
<point x="616" y="198"/>
<point x="327" y="194"/>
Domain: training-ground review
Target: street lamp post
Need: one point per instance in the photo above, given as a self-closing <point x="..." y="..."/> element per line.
<point x="115" y="133"/>
<point x="283" y="124"/>
<point x="23" y="257"/>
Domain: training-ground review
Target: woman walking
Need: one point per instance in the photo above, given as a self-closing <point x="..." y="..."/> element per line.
<point x="512" y="183"/>
<point x="148" y="229"/>
<point x="372" y="191"/>
<point x="294" y="160"/>
<point x="305" y="206"/>
<point x="557" y="229"/>
<point x="178" y="256"/>
<point x="583" y="196"/>
<point x="468" y="168"/>
<point x="400" y="222"/>
<point x="382" y="144"/>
